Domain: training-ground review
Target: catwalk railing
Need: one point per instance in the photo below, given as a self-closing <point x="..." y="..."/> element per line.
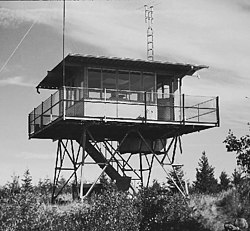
<point x="123" y="105"/>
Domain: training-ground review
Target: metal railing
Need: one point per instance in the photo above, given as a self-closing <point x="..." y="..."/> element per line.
<point x="73" y="102"/>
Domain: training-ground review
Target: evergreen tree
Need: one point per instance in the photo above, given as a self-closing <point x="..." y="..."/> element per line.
<point x="14" y="186"/>
<point x="224" y="181"/>
<point x="44" y="186"/>
<point x="205" y="180"/>
<point x="238" y="178"/>
<point x="27" y="182"/>
<point x="177" y="175"/>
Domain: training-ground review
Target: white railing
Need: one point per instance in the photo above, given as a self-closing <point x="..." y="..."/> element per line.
<point x="72" y="102"/>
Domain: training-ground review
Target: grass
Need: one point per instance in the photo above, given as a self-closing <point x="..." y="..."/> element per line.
<point x="207" y="212"/>
<point x="214" y="210"/>
<point x="114" y="210"/>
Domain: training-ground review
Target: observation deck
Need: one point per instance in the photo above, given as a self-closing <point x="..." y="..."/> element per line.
<point x="109" y="113"/>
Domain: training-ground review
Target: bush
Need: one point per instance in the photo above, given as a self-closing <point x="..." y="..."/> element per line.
<point x="113" y="210"/>
<point x="162" y="210"/>
<point x="236" y="203"/>
<point x="18" y="211"/>
<point x="153" y="208"/>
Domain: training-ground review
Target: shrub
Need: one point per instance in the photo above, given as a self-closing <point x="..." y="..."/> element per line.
<point x="18" y="211"/>
<point x="113" y="210"/>
<point x="162" y="210"/>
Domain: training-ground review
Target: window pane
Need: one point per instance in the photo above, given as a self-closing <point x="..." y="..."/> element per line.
<point x="123" y="80"/>
<point x="135" y="81"/>
<point x="163" y="92"/>
<point x="94" y="78"/>
<point x="148" y="81"/>
<point x="109" y="79"/>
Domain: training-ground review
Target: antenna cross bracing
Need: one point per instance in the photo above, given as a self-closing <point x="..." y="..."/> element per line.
<point x="150" y="34"/>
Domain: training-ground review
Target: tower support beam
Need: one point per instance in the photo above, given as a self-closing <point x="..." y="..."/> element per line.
<point x="119" y="166"/>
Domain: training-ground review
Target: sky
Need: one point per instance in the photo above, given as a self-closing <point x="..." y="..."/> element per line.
<point x="214" y="33"/>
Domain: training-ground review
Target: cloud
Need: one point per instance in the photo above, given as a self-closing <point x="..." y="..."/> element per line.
<point x="16" y="80"/>
<point x="204" y="32"/>
<point x="13" y="18"/>
<point x="214" y="33"/>
<point x="8" y="18"/>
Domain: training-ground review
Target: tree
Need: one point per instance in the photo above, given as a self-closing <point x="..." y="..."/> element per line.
<point x="238" y="178"/>
<point x="205" y="180"/>
<point x="224" y="181"/>
<point x="27" y="181"/>
<point x="14" y="186"/>
<point x="242" y="148"/>
<point x="44" y="186"/>
<point x="177" y="175"/>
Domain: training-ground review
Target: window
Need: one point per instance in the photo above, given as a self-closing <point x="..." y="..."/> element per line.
<point x="148" y="81"/>
<point x="94" y="81"/>
<point x="94" y="78"/>
<point x="136" y="85"/>
<point x="109" y="84"/>
<point x="163" y="92"/>
<point x="135" y="81"/>
<point x="123" y="80"/>
<point x="149" y="86"/>
<point x="109" y="79"/>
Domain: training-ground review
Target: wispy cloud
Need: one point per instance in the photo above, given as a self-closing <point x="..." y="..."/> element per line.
<point x="205" y="32"/>
<point x="13" y="18"/>
<point x="16" y="80"/>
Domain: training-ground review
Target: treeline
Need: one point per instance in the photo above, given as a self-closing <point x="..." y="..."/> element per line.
<point x="26" y="207"/>
<point x="205" y="181"/>
<point x="153" y="208"/>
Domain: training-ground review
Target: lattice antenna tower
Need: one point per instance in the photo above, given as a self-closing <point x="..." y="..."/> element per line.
<point x="150" y="34"/>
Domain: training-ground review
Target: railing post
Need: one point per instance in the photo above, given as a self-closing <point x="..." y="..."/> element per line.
<point x="64" y="102"/>
<point x="29" y="123"/>
<point x="183" y="108"/>
<point x="51" y="112"/>
<point x="83" y="99"/>
<point x="42" y="116"/>
<point x="117" y="96"/>
<point x="198" y="108"/>
<point x="34" y="119"/>
<point x="105" y="99"/>
<point x="217" y="111"/>
<point x="145" y="104"/>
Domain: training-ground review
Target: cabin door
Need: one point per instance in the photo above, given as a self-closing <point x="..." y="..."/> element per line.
<point x="165" y="99"/>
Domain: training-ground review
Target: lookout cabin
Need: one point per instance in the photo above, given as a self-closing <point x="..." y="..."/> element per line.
<point x="116" y="93"/>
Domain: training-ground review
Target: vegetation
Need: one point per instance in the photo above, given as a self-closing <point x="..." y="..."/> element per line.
<point x="24" y="206"/>
<point x="241" y="146"/>
<point x="153" y="208"/>
<point x="148" y="209"/>
<point x="178" y="176"/>
<point x="205" y="180"/>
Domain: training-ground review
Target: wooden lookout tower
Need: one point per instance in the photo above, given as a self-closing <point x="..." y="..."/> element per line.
<point x="117" y="113"/>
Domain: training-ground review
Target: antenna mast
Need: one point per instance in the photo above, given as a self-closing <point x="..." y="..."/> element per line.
<point x="63" y="50"/>
<point x="150" y="35"/>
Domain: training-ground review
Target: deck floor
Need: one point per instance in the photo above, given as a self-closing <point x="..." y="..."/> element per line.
<point x="114" y="130"/>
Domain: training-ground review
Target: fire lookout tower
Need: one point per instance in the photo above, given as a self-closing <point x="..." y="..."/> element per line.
<point x="118" y="113"/>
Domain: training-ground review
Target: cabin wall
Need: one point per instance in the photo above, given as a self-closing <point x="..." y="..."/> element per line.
<point x="111" y="86"/>
<point x="94" y="108"/>
<point x="121" y="79"/>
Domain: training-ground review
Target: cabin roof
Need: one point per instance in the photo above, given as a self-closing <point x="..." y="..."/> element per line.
<point x="54" y="80"/>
